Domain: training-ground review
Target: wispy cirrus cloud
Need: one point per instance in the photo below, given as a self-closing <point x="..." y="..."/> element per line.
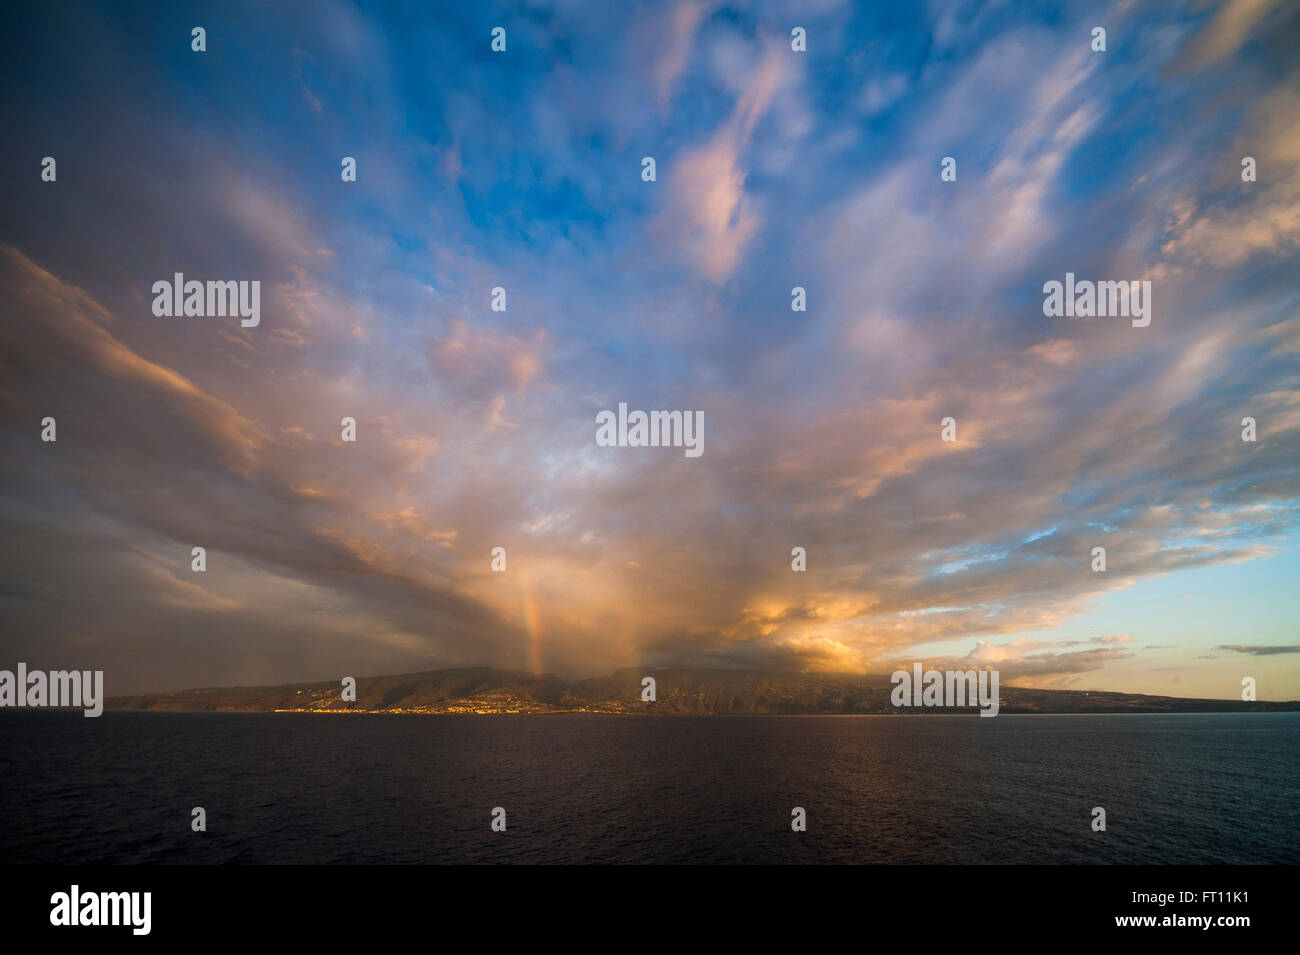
<point x="1259" y="651"/>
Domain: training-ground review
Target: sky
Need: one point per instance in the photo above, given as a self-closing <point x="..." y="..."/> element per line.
<point x="476" y="428"/>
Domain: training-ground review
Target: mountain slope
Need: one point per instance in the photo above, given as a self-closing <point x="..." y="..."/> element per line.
<point x="678" y="691"/>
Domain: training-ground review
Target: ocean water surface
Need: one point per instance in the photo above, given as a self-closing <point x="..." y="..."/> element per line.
<point x="305" y="788"/>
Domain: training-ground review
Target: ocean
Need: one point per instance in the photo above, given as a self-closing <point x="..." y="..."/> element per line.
<point x="328" y="789"/>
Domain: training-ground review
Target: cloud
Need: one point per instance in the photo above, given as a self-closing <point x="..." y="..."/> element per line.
<point x="1259" y="651"/>
<point x="1265" y="219"/>
<point x="709" y="218"/>
<point x="1224" y="34"/>
<point x="1023" y="662"/>
<point x="220" y="479"/>
<point x="476" y="429"/>
<point x="478" y="360"/>
<point x="669" y="66"/>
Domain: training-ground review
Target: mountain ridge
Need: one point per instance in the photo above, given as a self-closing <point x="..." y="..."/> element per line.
<point x="679" y="691"/>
